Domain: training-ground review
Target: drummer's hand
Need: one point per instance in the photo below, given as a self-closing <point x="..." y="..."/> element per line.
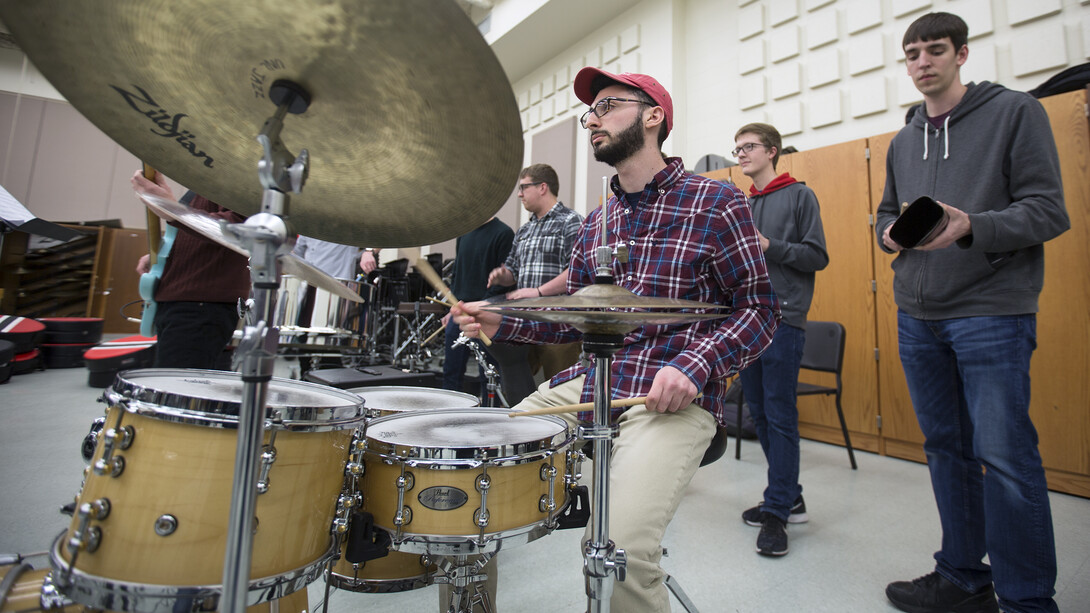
<point x="159" y="187"/>
<point x="526" y="292"/>
<point x="501" y="276"/>
<point x="446" y="319"/>
<point x="367" y="262"/>
<point x="144" y="265"/>
<point x="671" y="391"/>
<point x="471" y="319"/>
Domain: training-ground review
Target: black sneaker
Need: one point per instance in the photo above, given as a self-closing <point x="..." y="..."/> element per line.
<point x="933" y="593"/>
<point x="752" y="515"/>
<point x="772" y="541"/>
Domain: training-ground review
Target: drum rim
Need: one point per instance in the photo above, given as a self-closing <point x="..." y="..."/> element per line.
<point x="471" y="544"/>
<point x="126" y="392"/>
<point x="107" y="593"/>
<point x="448" y="457"/>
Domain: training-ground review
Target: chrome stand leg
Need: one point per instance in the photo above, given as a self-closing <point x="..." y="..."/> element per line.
<point x="682" y="597"/>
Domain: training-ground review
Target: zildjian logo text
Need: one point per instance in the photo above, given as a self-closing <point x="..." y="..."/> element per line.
<point x="144" y="104"/>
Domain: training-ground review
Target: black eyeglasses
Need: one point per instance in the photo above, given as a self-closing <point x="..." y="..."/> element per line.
<point x="525" y="186"/>
<point x="748" y="148"/>
<point x="604" y="106"/>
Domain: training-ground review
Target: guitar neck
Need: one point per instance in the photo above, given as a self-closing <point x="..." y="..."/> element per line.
<point x="155" y="231"/>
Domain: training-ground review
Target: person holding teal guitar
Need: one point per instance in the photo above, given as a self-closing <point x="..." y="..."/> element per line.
<point x="194" y="287"/>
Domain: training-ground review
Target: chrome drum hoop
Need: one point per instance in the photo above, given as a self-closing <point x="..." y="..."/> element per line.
<point x="213" y="398"/>
<point x="116" y="595"/>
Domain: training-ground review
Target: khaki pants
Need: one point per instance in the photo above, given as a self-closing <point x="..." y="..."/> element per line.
<point x="654" y="458"/>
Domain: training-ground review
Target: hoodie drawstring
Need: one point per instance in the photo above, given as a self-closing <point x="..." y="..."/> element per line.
<point x="946" y="140"/>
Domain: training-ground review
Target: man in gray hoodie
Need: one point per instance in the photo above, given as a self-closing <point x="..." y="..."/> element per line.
<point x="967" y="303"/>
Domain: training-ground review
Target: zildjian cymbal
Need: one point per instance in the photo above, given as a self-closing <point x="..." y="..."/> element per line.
<point x="413" y="131"/>
<point x="209" y="227"/>
<point x="609" y="309"/>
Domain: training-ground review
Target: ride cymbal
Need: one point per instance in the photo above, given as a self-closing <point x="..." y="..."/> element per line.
<point x="413" y="131"/>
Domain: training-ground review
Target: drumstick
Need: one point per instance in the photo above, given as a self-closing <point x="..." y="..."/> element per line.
<point x="442" y="302"/>
<point x="582" y="406"/>
<point x="433" y="335"/>
<point x="432" y="277"/>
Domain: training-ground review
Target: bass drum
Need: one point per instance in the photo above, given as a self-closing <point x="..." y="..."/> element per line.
<point x="151" y="520"/>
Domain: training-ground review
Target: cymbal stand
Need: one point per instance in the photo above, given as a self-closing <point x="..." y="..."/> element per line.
<point x="264" y="235"/>
<point x="601" y="557"/>
<point x="466" y="580"/>
<point x="491" y="374"/>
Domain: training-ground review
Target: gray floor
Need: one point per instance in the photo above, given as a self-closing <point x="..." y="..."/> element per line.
<point x="867" y="527"/>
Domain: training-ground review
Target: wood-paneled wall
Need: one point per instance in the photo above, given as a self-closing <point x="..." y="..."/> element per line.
<point x="857" y="290"/>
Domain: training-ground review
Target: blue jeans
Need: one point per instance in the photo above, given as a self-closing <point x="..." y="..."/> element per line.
<point x="969" y="382"/>
<point x="770" y="385"/>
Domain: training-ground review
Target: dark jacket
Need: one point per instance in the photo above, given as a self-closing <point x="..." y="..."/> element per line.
<point x="995" y="159"/>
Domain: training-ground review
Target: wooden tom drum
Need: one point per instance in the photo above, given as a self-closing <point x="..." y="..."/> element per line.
<point x="151" y="522"/>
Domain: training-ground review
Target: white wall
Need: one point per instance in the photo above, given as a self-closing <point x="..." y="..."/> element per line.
<point x="822" y="71"/>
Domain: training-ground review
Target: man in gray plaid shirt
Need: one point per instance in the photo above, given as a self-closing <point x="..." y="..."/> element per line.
<point x="538" y="266"/>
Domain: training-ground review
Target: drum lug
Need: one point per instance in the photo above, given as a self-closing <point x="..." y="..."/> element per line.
<point x="404" y="516"/>
<point x="115" y="439"/>
<point x="87" y="537"/>
<point x="268" y="458"/>
<point x="166" y="524"/>
<point x="481" y="516"/>
<point x="547" y="504"/>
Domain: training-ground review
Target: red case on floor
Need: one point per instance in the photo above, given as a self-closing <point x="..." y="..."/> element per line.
<point x="27" y="362"/>
<point x="109" y="358"/>
<point x="25" y="332"/>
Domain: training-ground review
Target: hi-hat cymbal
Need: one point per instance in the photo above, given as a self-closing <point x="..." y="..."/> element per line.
<point x="413" y="131"/>
<point x="609" y="309"/>
<point x="209" y="227"/>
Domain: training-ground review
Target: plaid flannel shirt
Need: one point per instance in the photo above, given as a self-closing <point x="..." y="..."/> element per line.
<point x="688" y="237"/>
<point x="542" y="247"/>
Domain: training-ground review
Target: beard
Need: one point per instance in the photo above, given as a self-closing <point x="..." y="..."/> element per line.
<point x="625" y="144"/>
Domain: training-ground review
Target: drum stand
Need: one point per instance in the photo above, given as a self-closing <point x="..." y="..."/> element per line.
<point x="491" y="374"/>
<point x="263" y="235"/>
<point x="601" y="557"/>
<point x="466" y="579"/>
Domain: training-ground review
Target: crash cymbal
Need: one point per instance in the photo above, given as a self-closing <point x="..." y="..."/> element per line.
<point x="413" y="131"/>
<point x="597" y="309"/>
<point x="210" y="228"/>
<point x="604" y="296"/>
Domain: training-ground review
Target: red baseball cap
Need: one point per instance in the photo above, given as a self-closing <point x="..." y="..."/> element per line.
<point x="588" y="78"/>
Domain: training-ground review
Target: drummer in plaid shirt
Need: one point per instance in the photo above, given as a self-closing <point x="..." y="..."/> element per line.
<point x="687" y="237"/>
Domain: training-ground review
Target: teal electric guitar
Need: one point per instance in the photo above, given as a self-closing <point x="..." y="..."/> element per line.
<point x="159" y="251"/>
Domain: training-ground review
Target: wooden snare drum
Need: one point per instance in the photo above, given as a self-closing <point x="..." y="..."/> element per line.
<point x="151" y="522"/>
<point x="461" y="481"/>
